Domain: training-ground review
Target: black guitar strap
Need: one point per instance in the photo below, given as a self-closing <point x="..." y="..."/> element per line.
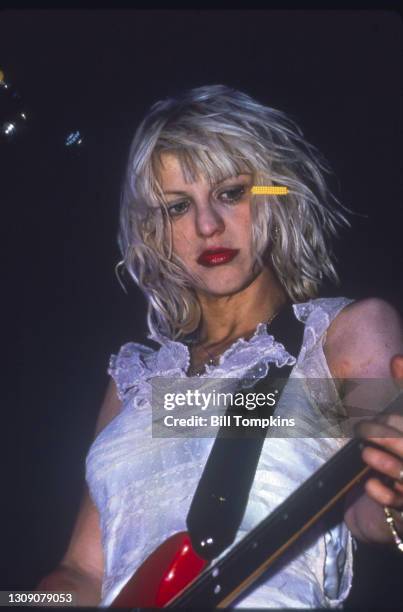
<point x="220" y="500"/>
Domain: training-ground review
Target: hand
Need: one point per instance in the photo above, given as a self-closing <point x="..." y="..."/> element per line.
<point x="387" y="431"/>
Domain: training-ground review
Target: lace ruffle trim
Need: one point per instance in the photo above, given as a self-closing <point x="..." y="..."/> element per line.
<point x="247" y="360"/>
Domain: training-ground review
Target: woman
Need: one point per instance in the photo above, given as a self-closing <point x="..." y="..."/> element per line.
<point x="217" y="264"/>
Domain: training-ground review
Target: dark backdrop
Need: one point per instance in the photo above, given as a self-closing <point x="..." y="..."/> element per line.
<point x="338" y="74"/>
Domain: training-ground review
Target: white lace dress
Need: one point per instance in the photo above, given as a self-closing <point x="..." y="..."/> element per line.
<point x="143" y="486"/>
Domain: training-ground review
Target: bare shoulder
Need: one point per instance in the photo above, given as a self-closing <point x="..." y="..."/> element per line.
<point x="362" y="338"/>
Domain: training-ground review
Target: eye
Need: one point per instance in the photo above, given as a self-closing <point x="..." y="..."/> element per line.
<point x="178" y="209"/>
<point x="232" y="195"/>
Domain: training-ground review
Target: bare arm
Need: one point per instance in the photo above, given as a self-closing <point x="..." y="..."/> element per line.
<point x="81" y="568"/>
<point x="361" y="343"/>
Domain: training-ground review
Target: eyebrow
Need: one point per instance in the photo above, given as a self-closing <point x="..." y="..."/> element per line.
<point x="214" y="185"/>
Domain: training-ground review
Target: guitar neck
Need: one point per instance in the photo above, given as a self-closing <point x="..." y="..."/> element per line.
<point x="221" y="584"/>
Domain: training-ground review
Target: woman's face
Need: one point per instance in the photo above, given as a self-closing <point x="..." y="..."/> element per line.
<point x="206" y="218"/>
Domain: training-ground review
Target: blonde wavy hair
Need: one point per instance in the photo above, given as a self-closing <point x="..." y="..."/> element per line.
<point x="216" y="131"/>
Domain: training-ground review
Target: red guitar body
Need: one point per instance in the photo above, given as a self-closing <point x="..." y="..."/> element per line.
<point x="175" y="575"/>
<point x="168" y="570"/>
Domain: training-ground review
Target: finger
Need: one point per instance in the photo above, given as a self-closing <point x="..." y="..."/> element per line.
<point x="383" y="462"/>
<point x="383" y="425"/>
<point x="382" y="494"/>
<point x="383" y="435"/>
<point x="398" y="486"/>
<point x="396" y="367"/>
<point x="394" y="445"/>
<point x="392" y="420"/>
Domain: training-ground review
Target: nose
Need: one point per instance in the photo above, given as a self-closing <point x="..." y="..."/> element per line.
<point x="208" y="221"/>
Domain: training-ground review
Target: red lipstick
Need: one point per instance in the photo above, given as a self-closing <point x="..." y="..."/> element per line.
<point x="215" y="257"/>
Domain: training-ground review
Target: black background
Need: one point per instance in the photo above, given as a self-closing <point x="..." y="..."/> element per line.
<point x="337" y="73"/>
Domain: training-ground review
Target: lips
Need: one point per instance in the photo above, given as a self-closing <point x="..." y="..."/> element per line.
<point x="215" y="257"/>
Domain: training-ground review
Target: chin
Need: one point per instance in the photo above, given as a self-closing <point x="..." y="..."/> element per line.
<point x="222" y="287"/>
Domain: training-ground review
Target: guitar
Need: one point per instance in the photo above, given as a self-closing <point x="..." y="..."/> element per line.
<point x="174" y="575"/>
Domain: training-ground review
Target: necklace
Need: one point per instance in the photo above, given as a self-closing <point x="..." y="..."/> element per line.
<point x="212" y="358"/>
